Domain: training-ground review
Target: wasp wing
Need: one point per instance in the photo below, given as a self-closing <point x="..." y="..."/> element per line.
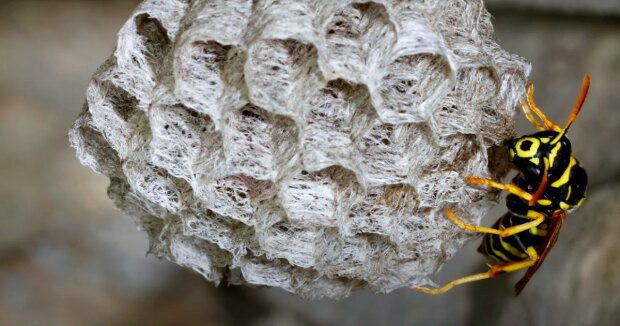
<point x="543" y="250"/>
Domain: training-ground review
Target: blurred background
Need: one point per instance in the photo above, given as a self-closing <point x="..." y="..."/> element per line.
<point x="67" y="256"/>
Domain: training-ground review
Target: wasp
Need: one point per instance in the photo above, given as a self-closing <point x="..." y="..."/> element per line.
<point x="550" y="183"/>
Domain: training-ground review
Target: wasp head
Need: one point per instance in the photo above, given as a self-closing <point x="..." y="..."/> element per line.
<point x="529" y="152"/>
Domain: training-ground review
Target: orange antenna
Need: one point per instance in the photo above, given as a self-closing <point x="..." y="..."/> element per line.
<point x="549" y="125"/>
<point x="585" y="85"/>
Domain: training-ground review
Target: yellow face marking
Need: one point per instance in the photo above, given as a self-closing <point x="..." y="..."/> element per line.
<point x="570" y="189"/>
<point x="525" y="153"/>
<point x="564" y="206"/>
<point x="544" y="202"/>
<point x="554" y="153"/>
<point x="512" y="153"/>
<point x="565" y="176"/>
<point x="535" y="160"/>
<point x="544" y="140"/>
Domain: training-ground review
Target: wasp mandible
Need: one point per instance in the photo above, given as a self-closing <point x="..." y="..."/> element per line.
<point x="550" y="183"/>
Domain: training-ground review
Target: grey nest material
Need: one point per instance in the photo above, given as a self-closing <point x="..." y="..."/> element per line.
<point x="306" y="145"/>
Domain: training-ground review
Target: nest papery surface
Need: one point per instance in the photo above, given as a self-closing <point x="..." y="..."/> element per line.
<point x="306" y="145"/>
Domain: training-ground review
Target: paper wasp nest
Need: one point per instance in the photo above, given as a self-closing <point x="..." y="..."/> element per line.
<point x="306" y="145"/>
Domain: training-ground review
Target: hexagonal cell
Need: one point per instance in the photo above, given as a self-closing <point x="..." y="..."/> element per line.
<point x="201" y="69"/>
<point x="222" y="21"/>
<point x="255" y="142"/>
<point x="334" y="117"/>
<point x="449" y="155"/>
<point x="347" y="260"/>
<point x="228" y="234"/>
<point x="232" y="196"/>
<point x="201" y="256"/>
<point x="92" y="149"/>
<point x="296" y="245"/>
<point x="384" y="154"/>
<point x="417" y="225"/>
<point x="416" y="245"/>
<point x="422" y="150"/>
<point x="379" y="209"/>
<point x="411" y="86"/>
<point x="322" y="287"/>
<point x="356" y="37"/>
<point x="183" y="141"/>
<point x="139" y="59"/>
<point x="463" y="109"/>
<point x="383" y="277"/>
<point x="261" y="271"/>
<point x="442" y="187"/>
<point x="283" y="20"/>
<point x="474" y="24"/>
<point x="155" y="39"/>
<point x="155" y="184"/>
<point x="309" y="198"/>
<point x="317" y="198"/>
<point x="280" y="74"/>
<point x="416" y="31"/>
<point x="114" y="112"/>
<point x="138" y="207"/>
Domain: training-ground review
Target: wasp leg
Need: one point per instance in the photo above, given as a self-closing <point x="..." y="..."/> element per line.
<point x="491" y="273"/>
<point x="528" y="114"/>
<point x="530" y="101"/>
<point x="536" y="217"/>
<point x="509" y="187"/>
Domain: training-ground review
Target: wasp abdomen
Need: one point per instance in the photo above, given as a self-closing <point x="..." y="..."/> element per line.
<point x="512" y="248"/>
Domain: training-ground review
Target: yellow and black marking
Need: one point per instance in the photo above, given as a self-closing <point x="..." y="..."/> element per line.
<point x="550" y="184"/>
<point x="512" y="248"/>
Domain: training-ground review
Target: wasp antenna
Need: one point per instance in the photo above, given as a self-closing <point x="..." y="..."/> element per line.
<point x="585" y="85"/>
<point x="548" y="124"/>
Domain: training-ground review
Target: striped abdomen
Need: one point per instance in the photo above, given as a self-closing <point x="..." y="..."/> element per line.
<point x="512" y="248"/>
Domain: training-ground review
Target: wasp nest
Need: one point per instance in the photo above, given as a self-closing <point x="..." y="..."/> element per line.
<point x="306" y="145"/>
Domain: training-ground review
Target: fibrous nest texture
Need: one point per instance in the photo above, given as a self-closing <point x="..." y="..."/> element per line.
<point x="306" y="145"/>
